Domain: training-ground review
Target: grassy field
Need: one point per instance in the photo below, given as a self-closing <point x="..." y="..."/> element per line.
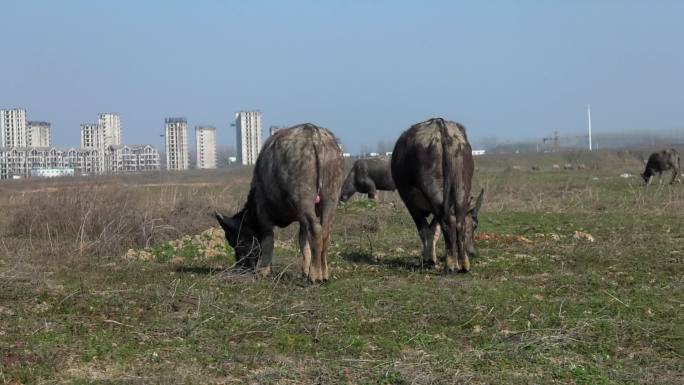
<point x="539" y="306"/>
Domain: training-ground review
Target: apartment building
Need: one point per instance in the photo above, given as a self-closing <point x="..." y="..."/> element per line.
<point x="38" y="134"/>
<point x="248" y="136"/>
<point x="13" y="127"/>
<point x="110" y="124"/>
<point x="205" y="139"/>
<point x="91" y="135"/>
<point x="176" y="135"/>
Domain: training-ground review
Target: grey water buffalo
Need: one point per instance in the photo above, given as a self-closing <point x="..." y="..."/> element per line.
<point x="432" y="167"/>
<point x="367" y="176"/>
<point x="297" y="178"/>
<point x="660" y="161"/>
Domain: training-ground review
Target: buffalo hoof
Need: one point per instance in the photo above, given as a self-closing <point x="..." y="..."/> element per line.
<point x="463" y="271"/>
<point x="315" y="277"/>
<point x="428" y="264"/>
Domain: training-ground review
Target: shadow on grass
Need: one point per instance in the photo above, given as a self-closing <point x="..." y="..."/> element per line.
<point x="236" y="274"/>
<point x="199" y="270"/>
<point x="397" y="263"/>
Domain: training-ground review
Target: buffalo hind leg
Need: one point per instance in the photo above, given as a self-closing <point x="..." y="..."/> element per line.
<point x="456" y="256"/>
<point x="305" y="248"/>
<point x="675" y="176"/>
<point x="429" y="259"/>
<point x="327" y="215"/>
<point x="315" y="241"/>
<point x="433" y="238"/>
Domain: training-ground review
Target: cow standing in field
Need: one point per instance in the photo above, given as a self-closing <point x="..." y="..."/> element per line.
<point x="366" y="177"/>
<point x="297" y="177"/>
<point x="662" y="161"/>
<point x="432" y="167"/>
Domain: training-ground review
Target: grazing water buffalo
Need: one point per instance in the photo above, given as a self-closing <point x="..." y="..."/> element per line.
<point x="662" y="161"/>
<point x="366" y="177"/>
<point x="297" y="177"/>
<point x="432" y="166"/>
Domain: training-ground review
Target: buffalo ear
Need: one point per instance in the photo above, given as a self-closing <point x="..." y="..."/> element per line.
<point x="227" y="224"/>
<point x="478" y="203"/>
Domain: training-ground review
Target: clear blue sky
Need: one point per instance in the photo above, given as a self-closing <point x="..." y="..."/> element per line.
<point x="365" y="69"/>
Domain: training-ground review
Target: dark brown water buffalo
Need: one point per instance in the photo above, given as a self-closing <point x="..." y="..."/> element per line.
<point x="432" y="166"/>
<point x="297" y="177"/>
<point x="366" y="177"/>
<point x="662" y="161"/>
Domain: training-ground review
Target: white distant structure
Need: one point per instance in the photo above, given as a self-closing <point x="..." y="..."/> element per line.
<point x="273" y="129"/>
<point x="27" y="149"/>
<point x="52" y="172"/>
<point x="478" y="152"/>
<point x="589" y="122"/>
<point x="205" y="139"/>
<point x="248" y="136"/>
<point x="176" y="130"/>
<point x="388" y="153"/>
<point x="13" y="127"/>
<point x="110" y="124"/>
<point x="346" y="155"/>
<point x="38" y="134"/>
<point x="373" y="154"/>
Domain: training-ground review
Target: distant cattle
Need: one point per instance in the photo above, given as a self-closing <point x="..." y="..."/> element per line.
<point x="366" y="177"/>
<point x="568" y="166"/>
<point x="432" y="167"/>
<point x="555" y="167"/>
<point x="535" y="168"/>
<point x="297" y="177"/>
<point x="662" y="161"/>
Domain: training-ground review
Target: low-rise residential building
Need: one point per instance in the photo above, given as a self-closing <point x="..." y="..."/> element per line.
<point x="122" y="159"/>
<point x="24" y="161"/>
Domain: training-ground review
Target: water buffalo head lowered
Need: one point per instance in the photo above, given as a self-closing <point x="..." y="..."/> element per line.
<point x="348" y="188"/>
<point x="241" y="237"/>
<point x="471" y="224"/>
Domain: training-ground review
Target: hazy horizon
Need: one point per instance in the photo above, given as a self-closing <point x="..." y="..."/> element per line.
<point x="366" y="70"/>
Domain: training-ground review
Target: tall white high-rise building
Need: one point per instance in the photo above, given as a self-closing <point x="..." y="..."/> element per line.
<point x="91" y="135"/>
<point x="110" y="124"/>
<point x="205" y="138"/>
<point x="13" y="127"/>
<point x="38" y="134"/>
<point x="176" y="143"/>
<point x="248" y="136"/>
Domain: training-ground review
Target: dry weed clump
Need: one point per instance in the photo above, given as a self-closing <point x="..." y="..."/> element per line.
<point x="105" y="220"/>
<point x="209" y="245"/>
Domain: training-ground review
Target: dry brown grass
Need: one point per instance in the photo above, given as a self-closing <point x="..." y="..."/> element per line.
<point x="107" y="216"/>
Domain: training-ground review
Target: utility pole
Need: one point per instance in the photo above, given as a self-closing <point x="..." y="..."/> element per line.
<point x="589" y="119"/>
